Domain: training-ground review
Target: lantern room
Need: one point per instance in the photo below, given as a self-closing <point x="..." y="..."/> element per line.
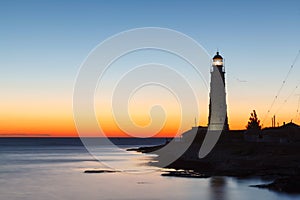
<point x="218" y="60"/>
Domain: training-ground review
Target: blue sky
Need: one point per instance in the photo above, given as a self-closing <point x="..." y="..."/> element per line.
<point x="43" y="43"/>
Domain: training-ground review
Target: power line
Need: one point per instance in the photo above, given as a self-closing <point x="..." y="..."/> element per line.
<point x="297" y="111"/>
<point x="286" y="100"/>
<point x="281" y="87"/>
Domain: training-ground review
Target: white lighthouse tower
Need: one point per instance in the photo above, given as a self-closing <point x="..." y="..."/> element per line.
<point x="217" y="119"/>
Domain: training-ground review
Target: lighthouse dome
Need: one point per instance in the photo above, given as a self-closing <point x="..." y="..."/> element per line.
<point x="217" y="56"/>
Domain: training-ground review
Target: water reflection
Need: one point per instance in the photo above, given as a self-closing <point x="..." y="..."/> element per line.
<point x="218" y="188"/>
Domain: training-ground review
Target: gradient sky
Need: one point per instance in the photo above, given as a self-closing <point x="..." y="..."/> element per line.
<point x="43" y="43"/>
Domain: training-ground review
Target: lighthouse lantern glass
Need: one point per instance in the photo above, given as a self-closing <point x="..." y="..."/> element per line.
<point x="218" y="62"/>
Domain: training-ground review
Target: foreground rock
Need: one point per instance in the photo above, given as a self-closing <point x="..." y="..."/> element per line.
<point x="288" y="185"/>
<point x="147" y="149"/>
<point x="99" y="171"/>
<point x="186" y="174"/>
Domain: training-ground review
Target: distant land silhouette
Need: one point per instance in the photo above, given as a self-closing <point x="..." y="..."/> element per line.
<point x="25" y="135"/>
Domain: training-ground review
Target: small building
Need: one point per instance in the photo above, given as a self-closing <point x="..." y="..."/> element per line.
<point x="284" y="134"/>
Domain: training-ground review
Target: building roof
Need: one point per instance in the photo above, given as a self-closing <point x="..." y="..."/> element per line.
<point x="285" y="126"/>
<point x="290" y="125"/>
<point x="289" y="130"/>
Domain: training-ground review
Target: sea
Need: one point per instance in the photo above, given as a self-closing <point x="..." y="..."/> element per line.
<point x="53" y="168"/>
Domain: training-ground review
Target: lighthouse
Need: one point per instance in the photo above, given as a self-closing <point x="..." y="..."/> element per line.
<point x="217" y="119"/>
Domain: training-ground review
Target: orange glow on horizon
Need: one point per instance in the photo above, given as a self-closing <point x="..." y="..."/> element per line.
<point x="54" y="124"/>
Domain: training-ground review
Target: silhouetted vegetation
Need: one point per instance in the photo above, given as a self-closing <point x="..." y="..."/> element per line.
<point x="254" y="122"/>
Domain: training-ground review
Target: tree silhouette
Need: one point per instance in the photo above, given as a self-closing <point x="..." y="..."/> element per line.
<point x="254" y="122"/>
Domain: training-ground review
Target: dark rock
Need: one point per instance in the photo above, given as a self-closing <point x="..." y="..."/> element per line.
<point x="147" y="149"/>
<point x="186" y="174"/>
<point x="288" y="185"/>
<point x="99" y="171"/>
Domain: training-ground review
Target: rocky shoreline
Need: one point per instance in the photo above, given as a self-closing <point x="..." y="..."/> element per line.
<point x="272" y="161"/>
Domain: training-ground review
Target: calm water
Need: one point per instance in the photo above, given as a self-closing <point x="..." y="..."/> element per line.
<point x="53" y="169"/>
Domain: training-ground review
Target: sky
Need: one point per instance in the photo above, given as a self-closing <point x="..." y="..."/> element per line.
<point x="43" y="44"/>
